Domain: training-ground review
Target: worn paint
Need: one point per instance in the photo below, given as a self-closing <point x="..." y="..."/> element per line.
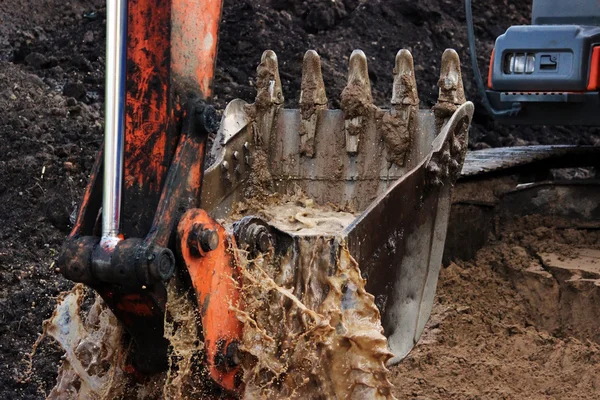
<point x="135" y="304"/>
<point x="149" y="142"/>
<point x="195" y="28"/>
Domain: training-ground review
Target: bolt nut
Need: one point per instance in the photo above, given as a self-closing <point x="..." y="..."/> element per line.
<point x="208" y="239"/>
<point x="263" y="241"/>
<point x="162" y="264"/>
<point x="259" y="237"/>
<point x="232" y="355"/>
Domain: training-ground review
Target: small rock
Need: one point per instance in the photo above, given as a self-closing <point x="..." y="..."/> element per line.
<point x="74" y="89"/>
<point x="69" y="166"/>
<point x="286" y="15"/>
<point x="41" y="35"/>
<point x="36" y="60"/>
<point x="88" y="37"/>
<point x="51" y="62"/>
<point x="91" y="15"/>
<point x="520" y="251"/>
<point x="57" y="212"/>
<point x="57" y="70"/>
<point x="82" y="63"/>
<point x="52" y="83"/>
<point x="481" y="146"/>
<point x="36" y="80"/>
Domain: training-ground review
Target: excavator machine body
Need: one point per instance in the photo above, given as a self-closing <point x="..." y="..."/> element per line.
<point x="548" y="73"/>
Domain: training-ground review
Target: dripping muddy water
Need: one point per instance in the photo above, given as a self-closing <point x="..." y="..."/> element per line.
<point x="310" y="328"/>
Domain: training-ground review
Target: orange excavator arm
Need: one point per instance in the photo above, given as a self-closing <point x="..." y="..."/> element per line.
<point x="161" y="94"/>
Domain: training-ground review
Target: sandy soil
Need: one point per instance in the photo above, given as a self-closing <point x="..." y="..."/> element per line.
<point x="483" y="340"/>
<point x="505" y="326"/>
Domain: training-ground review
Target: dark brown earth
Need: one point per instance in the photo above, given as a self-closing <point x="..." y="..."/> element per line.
<point x="51" y="96"/>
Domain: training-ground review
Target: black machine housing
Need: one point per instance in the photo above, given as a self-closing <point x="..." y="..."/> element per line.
<point x="548" y="72"/>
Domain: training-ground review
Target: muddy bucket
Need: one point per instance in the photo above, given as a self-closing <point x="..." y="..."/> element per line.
<point x="317" y="192"/>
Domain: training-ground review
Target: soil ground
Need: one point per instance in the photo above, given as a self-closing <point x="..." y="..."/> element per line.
<point x="481" y="342"/>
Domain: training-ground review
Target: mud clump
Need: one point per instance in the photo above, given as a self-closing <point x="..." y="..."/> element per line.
<point x="557" y="272"/>
<point x="95" y="363"/>
<point x="396" y="134"/>
<point x="186" y="378"/>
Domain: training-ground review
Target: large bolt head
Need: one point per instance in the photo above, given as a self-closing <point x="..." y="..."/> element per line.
<point x="263" y="241"/>
<point x="260" y="237"/>
<point x="208" y="239"/>
<point x="162" y="264"/>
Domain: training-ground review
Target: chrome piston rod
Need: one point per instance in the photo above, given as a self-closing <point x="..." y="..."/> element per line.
<point x="114" y="116"/>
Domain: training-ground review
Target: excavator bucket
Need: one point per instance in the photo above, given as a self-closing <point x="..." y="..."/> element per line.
<point x="388" y="173"/>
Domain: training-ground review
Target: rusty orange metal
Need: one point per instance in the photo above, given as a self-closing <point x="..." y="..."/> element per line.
<point x="149" y="142"/>
<point x="171" y="51"/>
<point x="194" y="39"/>
<point x="171" y="54"/>
<point x="135" y="304"/>
<point x="87" y="216"/>
<point x="182" y="185"/>
<point x="214" y="275"/>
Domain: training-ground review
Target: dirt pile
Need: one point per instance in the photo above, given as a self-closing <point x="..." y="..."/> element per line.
<point x="506" y="326"/>
<point x="557" y="273"/>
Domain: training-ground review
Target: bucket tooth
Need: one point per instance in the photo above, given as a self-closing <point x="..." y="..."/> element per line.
<point x="398" y="126"/>
<point x="268" y="83"/>
<point x="451" y="91"/>
<point x="451" y="98"/>
<point x="357" y="100"/>
<point x="312" y="99"/>
<point x="404" y="91"/>
<point x="450" y="83"/>
<point x="269" y="96"/>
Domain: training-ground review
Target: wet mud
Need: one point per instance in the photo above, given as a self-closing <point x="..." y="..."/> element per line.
<point x="304" y="339"/>
<point x="310" y="328"/>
